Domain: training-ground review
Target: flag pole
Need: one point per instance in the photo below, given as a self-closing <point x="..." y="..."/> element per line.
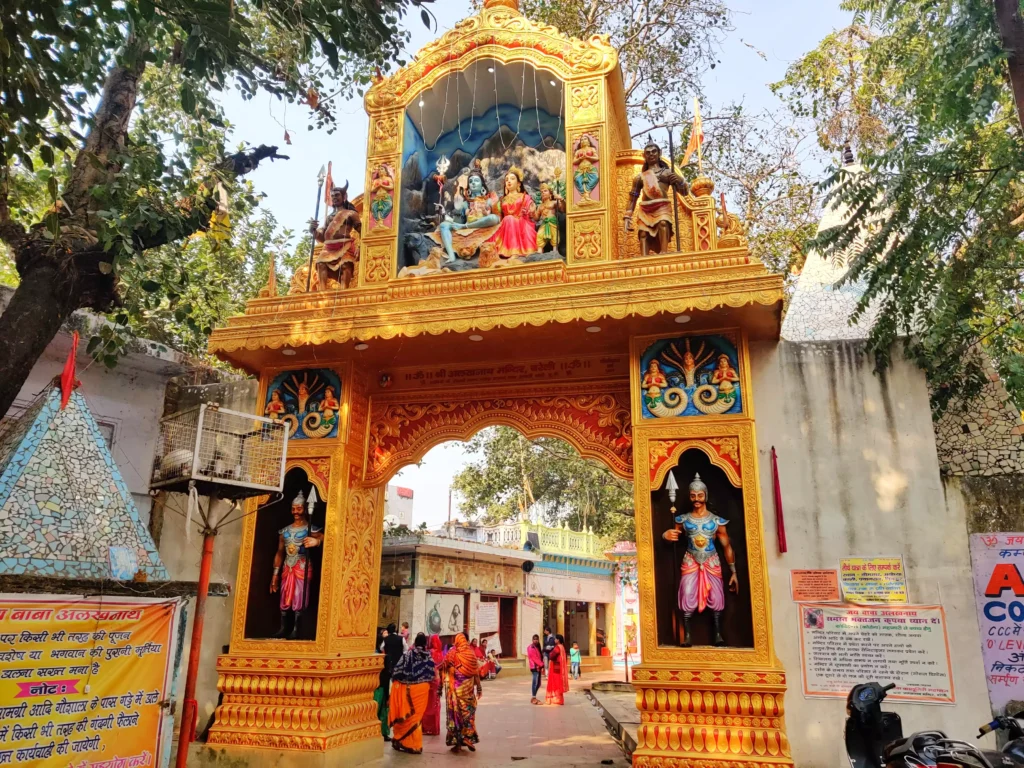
<point x="316" y="218"/>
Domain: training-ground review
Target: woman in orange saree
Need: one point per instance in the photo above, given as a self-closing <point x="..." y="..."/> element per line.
<point x="558" y="673"/>
<point x="410" y="690"/>
<point x="432" y="717"/>
<point x="461" y="690"/>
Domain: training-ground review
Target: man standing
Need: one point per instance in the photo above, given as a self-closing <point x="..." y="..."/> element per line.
<point x="549" y="644"/>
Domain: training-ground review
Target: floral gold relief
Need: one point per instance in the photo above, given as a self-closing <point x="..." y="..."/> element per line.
<point x="586" y="239"/>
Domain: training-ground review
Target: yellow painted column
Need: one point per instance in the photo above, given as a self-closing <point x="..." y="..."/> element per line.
<point x="560" y="617"/>
<point x="592" y="627"/>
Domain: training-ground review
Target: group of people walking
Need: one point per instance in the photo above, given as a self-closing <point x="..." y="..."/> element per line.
<point x="415" y="678"/>
<point x="412" y="683"/>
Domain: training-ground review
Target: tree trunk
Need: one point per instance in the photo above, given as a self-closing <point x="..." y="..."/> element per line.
<point x="40" y="305"/>
<point x="1011" y="34"/>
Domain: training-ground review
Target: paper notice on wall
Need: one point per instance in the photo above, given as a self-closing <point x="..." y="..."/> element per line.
<point x="843" y="645"/>
<point x="873" y="580"/>
<point x="814" y="586"/>
<point x="493" y="643"/>
<point x="532" y="610"/>
<point x="487" y="617"/>
<point x="997" y="560"/>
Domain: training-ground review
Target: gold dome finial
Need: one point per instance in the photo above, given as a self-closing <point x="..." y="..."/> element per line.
<point x="511" y="4"/>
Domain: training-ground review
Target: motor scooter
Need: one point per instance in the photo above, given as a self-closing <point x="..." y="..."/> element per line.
<point x="874" y="739"/>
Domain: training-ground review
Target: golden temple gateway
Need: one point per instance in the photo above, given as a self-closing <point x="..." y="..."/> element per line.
<point x="515" y="263"/>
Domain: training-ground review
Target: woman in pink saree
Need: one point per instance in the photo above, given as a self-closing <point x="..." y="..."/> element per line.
<point x="517" y="233"/>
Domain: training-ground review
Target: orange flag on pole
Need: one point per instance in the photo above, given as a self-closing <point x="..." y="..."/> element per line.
<point x="696" y="135"/>
<point x="68" y="382"/>
<point x="328" y="186"/>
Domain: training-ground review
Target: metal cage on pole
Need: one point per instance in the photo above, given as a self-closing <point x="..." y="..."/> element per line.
<point x="221" y="454"/>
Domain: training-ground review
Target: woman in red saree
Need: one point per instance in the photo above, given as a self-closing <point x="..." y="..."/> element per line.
<point x="461" y="691"/>
<point x="410" y="691"/>
<point x="517" y="233"/>
<point x="432" y="717"/>
<point x="558" y="673"/>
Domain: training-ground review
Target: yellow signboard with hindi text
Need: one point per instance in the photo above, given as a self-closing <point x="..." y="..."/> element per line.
<point x="85" y="682"/>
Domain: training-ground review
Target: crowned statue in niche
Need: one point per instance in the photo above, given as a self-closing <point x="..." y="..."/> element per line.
<point x="700" y="584"/>
<point x="477" y="207"/>
<point x="651" y="199"/>
<point x="336" y="263"/>
<point x="292" y="572"/>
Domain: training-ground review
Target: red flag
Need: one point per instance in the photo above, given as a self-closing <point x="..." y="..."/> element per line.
<point x="780" y="520"/>
<point x="328" y="185"/>
<point x="68" y="382"/>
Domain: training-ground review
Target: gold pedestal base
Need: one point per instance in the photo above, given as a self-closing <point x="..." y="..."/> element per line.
<point x="705" y="718"/>
<point x="303" y="706"/>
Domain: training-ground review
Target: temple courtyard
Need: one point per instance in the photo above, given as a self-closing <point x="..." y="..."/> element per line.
<point x="514" y="732"/>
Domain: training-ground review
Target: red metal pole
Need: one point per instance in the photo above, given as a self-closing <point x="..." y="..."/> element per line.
<point x="189" y="711"/>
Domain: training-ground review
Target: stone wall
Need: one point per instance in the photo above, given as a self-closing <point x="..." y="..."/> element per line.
<point x="983" y="437"/>
<point x="860" y="476"/>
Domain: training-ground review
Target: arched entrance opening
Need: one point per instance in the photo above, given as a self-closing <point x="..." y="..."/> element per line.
<point x="523" y="548"/>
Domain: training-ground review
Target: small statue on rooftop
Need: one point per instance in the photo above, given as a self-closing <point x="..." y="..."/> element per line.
<point x="653" y="189"/>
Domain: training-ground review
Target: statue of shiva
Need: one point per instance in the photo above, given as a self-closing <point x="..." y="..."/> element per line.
<point x="700" y="584"/>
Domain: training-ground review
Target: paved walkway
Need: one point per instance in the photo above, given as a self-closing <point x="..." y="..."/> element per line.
<point x="514" y="732"/>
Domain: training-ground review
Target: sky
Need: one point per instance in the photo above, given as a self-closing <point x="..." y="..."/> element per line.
<point x="781" y="30"/>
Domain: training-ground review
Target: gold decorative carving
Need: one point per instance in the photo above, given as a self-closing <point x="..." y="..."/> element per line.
<point x="378" y="262"/>
<point x="305" y="704"/>
<point x="597" y="425"/>
<point x="542" y="293"/>
<point x="710" y="718"/>
<point x="496" y="33"/>
<point x="360" y="573"/>
<point x="385" y="134"/>
<point x="723" y="452"/>
<point x="317" y="470"/>
<point x="586" y="239"/>
<point x="585" y="100"/>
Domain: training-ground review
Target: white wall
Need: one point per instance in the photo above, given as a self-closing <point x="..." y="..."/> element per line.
<point x="859" y="476"/>
<point x="570" y="586"/>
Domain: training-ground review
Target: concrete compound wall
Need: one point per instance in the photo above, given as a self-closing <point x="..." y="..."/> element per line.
<point x="860" y="476"/>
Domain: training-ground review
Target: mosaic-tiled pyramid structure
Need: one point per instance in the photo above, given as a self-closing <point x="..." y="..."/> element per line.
<point x="63" y="503"/>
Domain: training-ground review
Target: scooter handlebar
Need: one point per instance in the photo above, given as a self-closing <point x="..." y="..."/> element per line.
<point x="988" y="728"/>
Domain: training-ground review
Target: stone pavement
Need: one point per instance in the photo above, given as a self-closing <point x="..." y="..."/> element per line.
<point x="514" y="732"/>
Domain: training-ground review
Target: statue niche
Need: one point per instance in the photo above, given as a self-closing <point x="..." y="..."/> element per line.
<point x="284" y="580"/>
<point x="483" y="188"/>
<point x="702" y="576"/>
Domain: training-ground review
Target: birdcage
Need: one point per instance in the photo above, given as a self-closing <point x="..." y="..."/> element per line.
<point x="226" y="453"/>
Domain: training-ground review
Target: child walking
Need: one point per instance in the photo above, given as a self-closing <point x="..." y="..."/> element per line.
<point x="574" y="660"/>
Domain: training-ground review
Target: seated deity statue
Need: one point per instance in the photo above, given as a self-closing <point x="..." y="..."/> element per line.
<point x="479" y="209"/>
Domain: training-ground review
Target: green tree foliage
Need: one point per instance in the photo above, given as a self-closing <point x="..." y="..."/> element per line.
<point x="760" y="162"/>
<point x="114" y="106"/>
<point x="513" y="476"/>
<point x="664" y="46"/>
<point x="936" y="219"/>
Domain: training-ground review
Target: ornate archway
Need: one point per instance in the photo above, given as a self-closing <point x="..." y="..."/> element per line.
<point x="597" y="424"/>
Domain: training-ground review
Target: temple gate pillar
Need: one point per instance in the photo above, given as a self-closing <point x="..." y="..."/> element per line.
<point x="310" y="700"/>
<point x="560" y="617"/>
<point x="719" y="701"/>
